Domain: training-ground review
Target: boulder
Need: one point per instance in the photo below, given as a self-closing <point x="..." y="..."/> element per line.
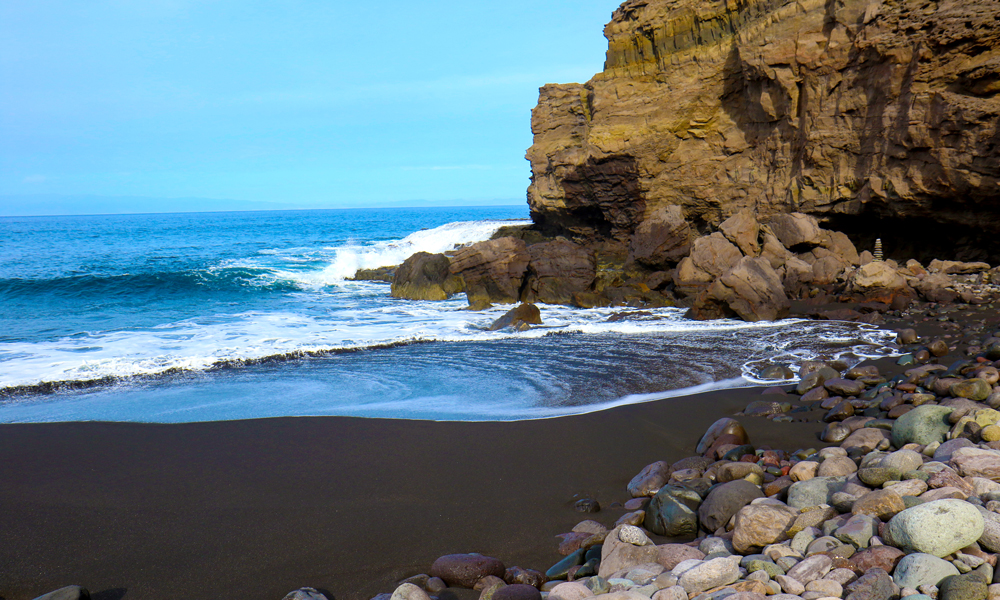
<point x="464" y="570"/>
<point x="620" y="555"/>
<point x="724" y="426"/>
<point x="750" y="290"/>
<point x="689" y="280"/>
<point x="724" y="501"/>
<point x="649" y="481"/>
<point x="878" y="281"/>
<point x="758" y="525"/>
<point x="937" y="528"/>
<point x="923" y="425"/>
<point x="743" y="230"/>
<point x="796" y="230"/>
<point x="671" y="512"/>
<point x="709" y="574"/>
<point x="936" y="287"/>
<point x="557" y="270"/>
<point x="425" y="276"/>
<point x="519" y="317"/>
<point x="661" y="239"/>
<point x="493" y="270"/>
<point x="714" y="254"/>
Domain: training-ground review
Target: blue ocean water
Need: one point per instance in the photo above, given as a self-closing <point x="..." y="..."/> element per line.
<point x="215" y="316"/>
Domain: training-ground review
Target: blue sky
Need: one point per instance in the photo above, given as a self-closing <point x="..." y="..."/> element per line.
<point x="299" y="103"/>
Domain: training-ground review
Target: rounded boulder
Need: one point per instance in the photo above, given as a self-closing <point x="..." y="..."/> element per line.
<point x="464" y="570"/>
<point x="938" y="528"/>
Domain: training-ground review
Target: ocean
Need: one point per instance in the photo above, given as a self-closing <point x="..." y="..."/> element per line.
<point x="222" y="316"/>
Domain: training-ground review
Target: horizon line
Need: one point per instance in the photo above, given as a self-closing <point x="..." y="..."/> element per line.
<point x="201" y="212"/>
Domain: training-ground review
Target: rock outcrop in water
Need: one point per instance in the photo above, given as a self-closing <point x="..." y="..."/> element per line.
<point x="877" y="116"/>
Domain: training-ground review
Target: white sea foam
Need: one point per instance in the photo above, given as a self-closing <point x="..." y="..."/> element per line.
<point x="200" y="344"/>
<point x="340" y="263"/>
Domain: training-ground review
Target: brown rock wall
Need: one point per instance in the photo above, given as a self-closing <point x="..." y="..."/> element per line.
<point x="839" y="109"/>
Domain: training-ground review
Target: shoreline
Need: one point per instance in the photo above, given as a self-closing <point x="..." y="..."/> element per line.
<point x="348" y="505"/>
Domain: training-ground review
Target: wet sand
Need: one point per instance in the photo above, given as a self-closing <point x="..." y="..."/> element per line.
<point x="255" y="509"/>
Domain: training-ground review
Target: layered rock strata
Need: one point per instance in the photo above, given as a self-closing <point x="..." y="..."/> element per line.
<point x="879" y="116"/>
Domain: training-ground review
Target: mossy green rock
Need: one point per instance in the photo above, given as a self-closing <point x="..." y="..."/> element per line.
<point x="922" y="425"/>
<point x="962" y="587"/>
<point x="938" y="528"/>
<point x="768" y="567"/>
<point x="973" y="389"/>
<point x="876" y="476"/>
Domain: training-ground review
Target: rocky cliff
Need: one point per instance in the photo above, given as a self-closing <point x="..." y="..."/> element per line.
<point x="879" y="117"/>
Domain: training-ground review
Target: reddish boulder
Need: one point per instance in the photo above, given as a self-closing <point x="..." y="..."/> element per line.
<point x="493" y="270"/>
<point x="750" y="290"/>
<point x="557" y="270"/>
<point x="464" y="570"/>
<point x="661" y="239"/>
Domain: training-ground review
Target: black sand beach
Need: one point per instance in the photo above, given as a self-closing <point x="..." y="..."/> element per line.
<point x="255" y="509"/>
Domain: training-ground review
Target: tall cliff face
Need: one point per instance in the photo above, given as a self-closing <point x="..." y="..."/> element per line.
<point x="844" y="109"/>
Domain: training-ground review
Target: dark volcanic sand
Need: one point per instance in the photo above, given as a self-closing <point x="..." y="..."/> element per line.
<point x="255" y="509"/>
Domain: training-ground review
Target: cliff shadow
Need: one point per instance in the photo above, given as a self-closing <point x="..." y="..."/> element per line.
<point x="603" y="199"/>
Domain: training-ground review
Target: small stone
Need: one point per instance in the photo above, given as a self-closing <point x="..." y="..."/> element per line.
<point x="877" y="557"/>
<point x="789" y="585"/>
<point x="811" y="568"/>
<point x="407" y="591"/>
<point x="710" y="574"/>
<point x="814" y="492"/>
<point x="990" y="433"/>
<point x="671" y="555"/>
<point x="517" y="591"/>
<point x="724" y="426"/>
<point x="873" y="585"/>
<point x="570" y="591"/>
<point x="829" y="589"/>
<point x="649" y="481"/>
<point x="866" y="439"/>
<point x="803" y="470"/>
<point x="837" y="466"/>
<point x="858" y="530"/>
<point x="844" y="387"/>
<point x="618" y="555"/>
<point x="518" y="575"/>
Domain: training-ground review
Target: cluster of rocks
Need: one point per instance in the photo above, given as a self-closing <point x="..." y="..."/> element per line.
<point x="906" y="504"/>
<point x="746" y="269"/>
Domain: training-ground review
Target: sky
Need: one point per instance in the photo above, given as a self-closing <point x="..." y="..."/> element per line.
<point x="299" y="103"/>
